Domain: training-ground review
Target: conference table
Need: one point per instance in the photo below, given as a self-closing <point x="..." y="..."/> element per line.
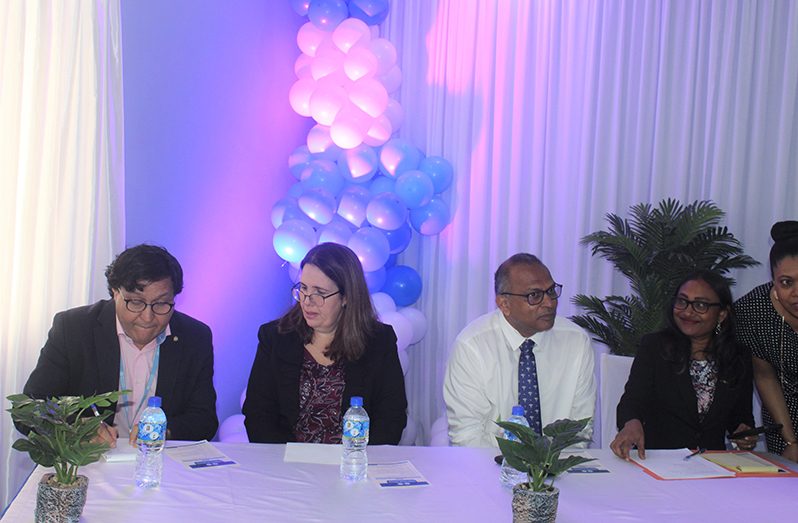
<point x="463" y="486"/>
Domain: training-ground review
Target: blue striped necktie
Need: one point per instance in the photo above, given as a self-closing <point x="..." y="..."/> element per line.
<point x="528" y="393"/>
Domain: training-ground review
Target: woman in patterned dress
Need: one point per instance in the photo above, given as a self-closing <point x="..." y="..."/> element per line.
<point x="768" y="325"/>
<point x="327" y="348"/>
<point x="690" y="384"/>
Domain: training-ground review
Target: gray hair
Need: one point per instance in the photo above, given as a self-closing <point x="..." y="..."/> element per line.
<point x="500" y="280"/>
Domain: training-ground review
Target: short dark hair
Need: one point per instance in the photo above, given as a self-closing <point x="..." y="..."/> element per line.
<point x="143" y="264"/>
<point x="358" y="321"/>
<point x="502" y="276"/>
<point x="785" y="242"/>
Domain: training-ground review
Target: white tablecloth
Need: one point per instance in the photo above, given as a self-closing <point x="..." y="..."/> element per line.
<point x="464" y="487"/>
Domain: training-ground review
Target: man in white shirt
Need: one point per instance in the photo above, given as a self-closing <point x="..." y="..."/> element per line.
<point x="481" y="383"/>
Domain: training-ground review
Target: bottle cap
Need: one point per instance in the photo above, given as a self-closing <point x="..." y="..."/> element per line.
<point x="154" y="401"/>
<point x="518" y="410"/>
<point x="356" y="401"/>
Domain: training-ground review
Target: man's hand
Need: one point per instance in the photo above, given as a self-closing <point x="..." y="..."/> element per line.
<point x="632" y="434"/>
<point x="106" y="434"/>
<point x="746" y="443"/>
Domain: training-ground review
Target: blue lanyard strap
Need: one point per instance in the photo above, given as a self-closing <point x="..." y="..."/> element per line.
<point x="126" y="407"/>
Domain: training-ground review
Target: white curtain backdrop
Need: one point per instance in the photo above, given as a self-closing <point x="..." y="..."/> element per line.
<point x="554" y="113"/>
<point x="61" y="179"/>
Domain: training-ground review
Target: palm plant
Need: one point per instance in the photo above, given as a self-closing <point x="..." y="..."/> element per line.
<point x="654" y="249"/>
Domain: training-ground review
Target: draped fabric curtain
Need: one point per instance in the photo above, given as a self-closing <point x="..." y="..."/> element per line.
<point x="555" y="113"/>
<point x="61" y="179"/>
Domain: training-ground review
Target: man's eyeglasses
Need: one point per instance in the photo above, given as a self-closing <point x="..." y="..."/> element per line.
<point x="159" y="307"/>
<point x="316" y="299"/>
<point x="536" y="296"/>
<point x="701" y="307"/>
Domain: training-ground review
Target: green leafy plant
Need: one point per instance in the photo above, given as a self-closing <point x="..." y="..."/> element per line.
<point x="60" y="435"/>
<point x="654" y="249"/>
<point x="539" y="456"/>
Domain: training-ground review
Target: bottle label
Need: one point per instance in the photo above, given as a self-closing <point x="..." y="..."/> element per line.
<point x="151" y="432"/>
<point x="356" y="429"/>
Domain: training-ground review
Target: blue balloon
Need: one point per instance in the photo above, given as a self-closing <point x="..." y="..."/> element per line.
<point x="318" y="205"/>
<point x="403" y="284"/>
<point x="386" y="211"/>
<point x="439" y="170"/>
<point x="414" y="188"/>
<point x="371" y="248"/>
<point x="296" y="190"/>
<point x="399" y="238"/>
<point x="397" y="156"/>
<point x="284" y="210"/>
<point x="293" y="239"/>
<point x="381" y="184"/>
<point x="391" y="261"/>
<point x="353" y="203"/>
<point x="323" y="174"/>
<point x="327" y="14"/>
<point x="430" y="219"/>
<point x="358" y="165"/>
<point x="373" y="12"/>
<point x="300" y="6"/>
<point x="299" y="160"/>
<point x="375" y="280"/>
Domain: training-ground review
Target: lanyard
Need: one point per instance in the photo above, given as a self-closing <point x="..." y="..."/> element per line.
<point x="153" y="371"/>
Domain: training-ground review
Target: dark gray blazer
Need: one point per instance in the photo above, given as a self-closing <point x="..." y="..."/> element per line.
<point x="81" y="357"/>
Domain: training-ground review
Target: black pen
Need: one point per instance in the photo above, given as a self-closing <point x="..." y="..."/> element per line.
<point x="698" y="451"/>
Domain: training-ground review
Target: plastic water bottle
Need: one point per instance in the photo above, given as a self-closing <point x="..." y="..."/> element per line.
<point x="150" y="440"/>
<point x="511" y="477"/>
<point x="354" y="460"/>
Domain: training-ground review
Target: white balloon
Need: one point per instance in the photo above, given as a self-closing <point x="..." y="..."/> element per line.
<point x="418" y="322"/>
<point x="370" y="96"/>
<point x="392" y="80"/>
<point x="401" y="326"/>
<point x="299" y="95"/>
<point x="385" y="52"/>
<point x="379" y="132"/>
<point x="360" y="62"/>
<point x="232" y="430"/>
<point x="404" y="360"/>
<point x="328" y="60"/>
<point x="302" y="66"/>
<point x="309" y="38"/>
<point x="326" y="102"/>
<point x="383" y="303"/>
<point x="349" y="33"/>
<point x="350" y="127"/>
<point x="319" y="140"/>
<point x="395" y="114"/>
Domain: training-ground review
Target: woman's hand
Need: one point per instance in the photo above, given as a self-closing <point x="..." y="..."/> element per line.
<point x="632" y="434"/>
<point x="746" y="443"/>
<point x="791" y="452"/>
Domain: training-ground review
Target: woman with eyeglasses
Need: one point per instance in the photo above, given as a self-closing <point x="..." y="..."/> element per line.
<point x="327" y="348"/>
<point x="690" y="384"/>
<point x="768" y="325"/>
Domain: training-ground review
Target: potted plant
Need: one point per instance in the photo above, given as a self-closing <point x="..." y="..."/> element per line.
<point x="60" y="436"/>
<point x="654" y="250"/>
<point x="539" y="456"/>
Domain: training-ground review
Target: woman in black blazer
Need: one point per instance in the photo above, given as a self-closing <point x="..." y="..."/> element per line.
<point x="690" y="384"/>
<point x="324" y="350"/>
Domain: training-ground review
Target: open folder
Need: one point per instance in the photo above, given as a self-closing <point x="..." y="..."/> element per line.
<point x="671" y="464"/>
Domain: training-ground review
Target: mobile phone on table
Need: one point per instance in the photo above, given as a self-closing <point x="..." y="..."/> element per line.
<point x="757" y="430"/>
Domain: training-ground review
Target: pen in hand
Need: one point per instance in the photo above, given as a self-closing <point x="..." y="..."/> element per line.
<point x="696" y="453"/>
<point x="109" y="436"/>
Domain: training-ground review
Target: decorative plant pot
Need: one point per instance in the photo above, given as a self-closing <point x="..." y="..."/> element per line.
<point x="57" y="504"/>
<point x="530" y="506"/>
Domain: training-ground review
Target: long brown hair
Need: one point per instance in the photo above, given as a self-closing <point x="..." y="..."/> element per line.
<point x="357" y="321"/>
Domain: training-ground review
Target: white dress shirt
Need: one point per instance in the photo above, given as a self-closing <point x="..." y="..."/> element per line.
<point x="481" y="382"/>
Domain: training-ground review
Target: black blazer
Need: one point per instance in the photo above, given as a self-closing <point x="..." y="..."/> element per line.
<point x="81" y="357"/>
<point x="665" y="401"/>
<point x="271" y="408"/>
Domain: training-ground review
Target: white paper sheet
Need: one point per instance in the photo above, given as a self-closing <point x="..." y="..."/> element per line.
<point x="122" y="453"/>
<point x="199" y="455"/>
<point x="318" y="453"/>
<point x="670" y="464"/>
<point x="396" y="474"/>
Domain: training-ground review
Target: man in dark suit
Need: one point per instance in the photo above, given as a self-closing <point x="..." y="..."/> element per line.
<point x="136" y="341"/>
